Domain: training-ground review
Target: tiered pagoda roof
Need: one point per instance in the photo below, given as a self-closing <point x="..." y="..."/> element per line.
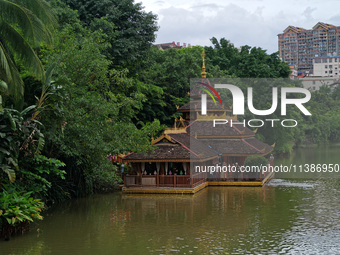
<point x="196" y="105"/>
<point x="203" y="129"/>
<point x="177" y="146"/>
<point x="235" y="140"/>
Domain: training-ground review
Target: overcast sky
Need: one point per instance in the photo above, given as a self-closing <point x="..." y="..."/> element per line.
<point x="244" y="22"/>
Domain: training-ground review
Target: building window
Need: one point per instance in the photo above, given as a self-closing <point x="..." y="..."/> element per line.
<point x="335" y="60"/>
<point x="326" y="66"/>
<point x="325" y="71"/>
<point x="330" y="66"/>
<point x="330" y="71"/>
<point x="324" y="60"/>
<point x="330" y="60"/>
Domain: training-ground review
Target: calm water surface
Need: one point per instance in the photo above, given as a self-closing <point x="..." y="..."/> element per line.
<point x="287" y="216"/>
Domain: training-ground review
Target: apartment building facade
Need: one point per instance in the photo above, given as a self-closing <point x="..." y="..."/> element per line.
<point x="328" y="66"/>
<point x="299" y="46"/>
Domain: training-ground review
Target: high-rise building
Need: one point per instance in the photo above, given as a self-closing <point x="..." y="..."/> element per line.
<point x="299" y="46"/>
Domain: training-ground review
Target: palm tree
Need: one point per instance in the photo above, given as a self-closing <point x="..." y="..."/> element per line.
<point x="24" y="25"/>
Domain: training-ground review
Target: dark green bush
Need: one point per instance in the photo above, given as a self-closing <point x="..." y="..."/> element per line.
<point x="255" y="161"/>
<point x="17" y="210"/>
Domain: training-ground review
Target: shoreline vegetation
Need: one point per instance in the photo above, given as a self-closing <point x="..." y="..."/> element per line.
<point x="85" y="81"/>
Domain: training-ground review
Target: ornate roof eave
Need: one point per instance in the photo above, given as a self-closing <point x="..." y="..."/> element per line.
<point x="155" y="160"/>
<point x="223" y="137"/>
<point x="164" y="136"/>
<point x="169" y="160"/>
<point x="212" y="117"/>
<point x="199" y="110"/>
<point x="246" y="154"/>
<point x="174" y="131"/>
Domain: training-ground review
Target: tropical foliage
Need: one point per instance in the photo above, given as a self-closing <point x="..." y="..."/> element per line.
<point x="18" y="133"/>
<point x="17" y="210"/>
<point x="247" y="62"/>
<point x="128" y="28"/>
<point x="255" y="161"/>
<point x="24" y="25"/>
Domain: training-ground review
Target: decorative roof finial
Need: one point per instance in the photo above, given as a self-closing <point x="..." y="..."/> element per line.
<point x="204" y="73"/>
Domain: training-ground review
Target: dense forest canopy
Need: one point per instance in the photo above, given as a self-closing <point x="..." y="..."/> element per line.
<point x="85" y="82"/>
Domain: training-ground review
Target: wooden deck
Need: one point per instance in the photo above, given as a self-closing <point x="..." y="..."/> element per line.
<point x="183" y="190"/>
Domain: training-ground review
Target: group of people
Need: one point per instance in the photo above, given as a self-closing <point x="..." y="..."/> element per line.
<point x="114" y="158"/>
<point x="174" y="171"/>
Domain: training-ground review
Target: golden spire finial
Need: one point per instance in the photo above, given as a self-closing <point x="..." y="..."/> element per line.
<point x="204" y="73"/>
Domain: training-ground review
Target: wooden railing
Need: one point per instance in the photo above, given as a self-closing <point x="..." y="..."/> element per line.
<point x="182" y="180"/>
<point x="188" y="181"/>
<point x="131" y="180"/>
<point x="157" y="180"/>
<point x="167" y="181"/>
<point x="198" y="178"/>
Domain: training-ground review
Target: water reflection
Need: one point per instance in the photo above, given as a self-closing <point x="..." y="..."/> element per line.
<point x="321" y="162"/>
<point x="216" y="220"/>
<point x="286" y="216"/>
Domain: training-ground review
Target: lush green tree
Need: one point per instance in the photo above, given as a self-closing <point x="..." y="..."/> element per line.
<point x="171" y="70"/>
<point x="323" y="125"/>
<point x="19" y="134"/>
<point x="247" y="62"/>
<point x="24" y="25"/>
<point x="255" y="62"/>
<point x="96" y="111"/>
<point x="222" y="54"/>
<point x="255" y="161"/>
<point x="129" y="29"/>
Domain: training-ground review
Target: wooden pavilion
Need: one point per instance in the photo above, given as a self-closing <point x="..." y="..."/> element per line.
<point x="169" y="165"/>
<point x="191" y="142"/>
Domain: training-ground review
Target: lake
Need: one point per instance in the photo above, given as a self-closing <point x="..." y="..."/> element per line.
<point x="287" y="216"/>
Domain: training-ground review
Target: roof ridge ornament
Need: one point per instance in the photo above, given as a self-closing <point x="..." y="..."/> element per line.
<point x="163" y="136"/>
<point x="203" y="73"/>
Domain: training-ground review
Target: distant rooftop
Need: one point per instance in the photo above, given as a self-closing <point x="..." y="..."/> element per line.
<point x="172" y="45"/>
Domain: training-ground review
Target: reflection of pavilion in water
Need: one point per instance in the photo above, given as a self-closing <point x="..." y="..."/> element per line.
<point x="120" y="216"/>
<point x="211" y="217"/>
<point x="194" y="142"/>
